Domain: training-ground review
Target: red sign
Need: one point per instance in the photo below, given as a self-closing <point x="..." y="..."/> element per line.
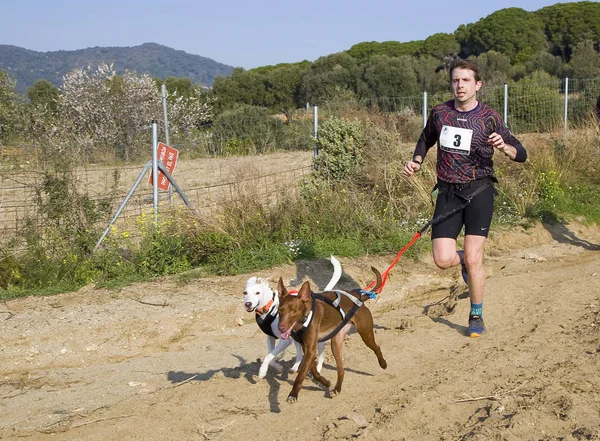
<point x="168" y="156"/>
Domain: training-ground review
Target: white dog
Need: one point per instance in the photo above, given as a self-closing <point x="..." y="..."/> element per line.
<point x="260" y="298"/>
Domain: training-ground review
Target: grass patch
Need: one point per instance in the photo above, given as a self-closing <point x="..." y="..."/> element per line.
<point x="355" y="203"/>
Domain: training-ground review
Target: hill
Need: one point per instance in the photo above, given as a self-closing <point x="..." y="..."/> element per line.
<point x="28" y="66"/>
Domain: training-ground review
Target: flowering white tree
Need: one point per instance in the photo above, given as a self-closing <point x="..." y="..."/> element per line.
<point x="188" y="113"/>
<point x="97" y="109"/>
<point x="9" y="107"/>
<point x="101" y="108"/>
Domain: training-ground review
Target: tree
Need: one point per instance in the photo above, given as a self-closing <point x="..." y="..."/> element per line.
<point x="440" y="45"/>
<point x="510" y="31"/>
<point x="544" y="61"/>
<point x="336" y="71"/>
<point x="494" y="67"/>
<point x="567" y="24"/>
<point x="274" y="87"/>
<point x="180" y="86"/>
<point x="9" y="108"/>
<point x="397" y="49"/>
<point x="44" y="94"/>
<point x="188" y="112"/>
<point x="189" y="106"/>
<point x="585" y="61"/>
<point x="364" y="51"/>
<point x="225" y="90"/>
<point x="99" y="108"/>
<point x="283" y="86"/>
<point x="242" y="87"/>
<point x="389" y="77"/>
<point x="432" y="75"/>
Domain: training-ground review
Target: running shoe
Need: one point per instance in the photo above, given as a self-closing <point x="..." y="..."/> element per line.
<point x="465" y="274"/>
<point x="476" y="326"/>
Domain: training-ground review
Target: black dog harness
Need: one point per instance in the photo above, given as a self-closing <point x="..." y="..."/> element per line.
<point x="346" y="316"/>
<point x="266" y="319"/>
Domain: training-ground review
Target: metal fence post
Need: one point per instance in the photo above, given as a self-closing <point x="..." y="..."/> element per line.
<point x="315" y="129"/>
<point x="506" y="104"/>
<point x="155" y="171"/>
<point x="424" y="108"/>
<point x="566" y="102"/>
<point x="163" y="90"/>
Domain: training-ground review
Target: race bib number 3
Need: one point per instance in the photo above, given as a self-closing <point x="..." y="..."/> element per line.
<point x="456" y="140"/>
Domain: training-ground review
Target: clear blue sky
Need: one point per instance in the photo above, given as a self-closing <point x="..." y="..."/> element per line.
<point x="239" y="33"/>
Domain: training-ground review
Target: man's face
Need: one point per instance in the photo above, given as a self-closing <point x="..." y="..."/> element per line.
<point x="464" y="86"/>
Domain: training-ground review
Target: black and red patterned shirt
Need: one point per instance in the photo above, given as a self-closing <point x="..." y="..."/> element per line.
<point x="463" y="151"/>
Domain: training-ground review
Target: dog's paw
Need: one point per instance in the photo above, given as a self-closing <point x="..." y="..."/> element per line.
<point x="334" y="393"/>
<point x="295" y="368"/>
<point x="262" y="373"/>
<point x="291" y="399"/>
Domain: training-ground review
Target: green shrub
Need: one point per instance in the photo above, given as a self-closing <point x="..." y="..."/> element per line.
<point x="247" y="129"/>
<point x="339" y="144"/>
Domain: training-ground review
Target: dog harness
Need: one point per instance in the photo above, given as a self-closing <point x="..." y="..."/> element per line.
<point x="346" y="316"/>
<point x="266" y="315"/>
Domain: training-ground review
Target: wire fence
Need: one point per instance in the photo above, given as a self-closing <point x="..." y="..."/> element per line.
<point x="527" y="106"/>
<point x="19" y="189"/>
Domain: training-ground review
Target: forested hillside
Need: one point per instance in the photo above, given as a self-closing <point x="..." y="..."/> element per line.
<point x="510" y="45"/>
<point x="28" y="66"/>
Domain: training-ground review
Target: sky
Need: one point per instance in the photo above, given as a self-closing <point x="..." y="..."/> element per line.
<point x="238" y="33"/>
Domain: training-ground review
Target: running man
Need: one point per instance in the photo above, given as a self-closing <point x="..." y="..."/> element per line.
<point x="467" y="133"/>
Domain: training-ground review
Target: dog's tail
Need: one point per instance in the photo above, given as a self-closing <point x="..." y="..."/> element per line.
<point x="337" y="274"/>
<point x="378" y="284"/>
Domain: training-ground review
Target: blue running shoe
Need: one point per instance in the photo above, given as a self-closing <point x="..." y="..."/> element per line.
<point x="476" y="326"/>
<point x="465" y="274"/>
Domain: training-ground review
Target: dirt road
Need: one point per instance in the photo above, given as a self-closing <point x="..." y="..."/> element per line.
<point x="173" y="361"/>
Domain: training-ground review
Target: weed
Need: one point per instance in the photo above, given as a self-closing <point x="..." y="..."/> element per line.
<point x="356" y="202"/>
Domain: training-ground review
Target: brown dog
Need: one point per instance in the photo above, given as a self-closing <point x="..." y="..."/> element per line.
<point x="312" y="317"/>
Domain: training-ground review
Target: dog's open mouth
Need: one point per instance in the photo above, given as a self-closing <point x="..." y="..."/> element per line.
<point x="286" y="334"/>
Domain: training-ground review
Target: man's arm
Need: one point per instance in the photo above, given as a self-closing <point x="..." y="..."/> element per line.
<point x="511" y="148"/>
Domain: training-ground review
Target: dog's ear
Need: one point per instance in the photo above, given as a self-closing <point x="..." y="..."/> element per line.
<point x="281" y="288"/>
<point x="251" y="281"/>
<point x="305" y="292"/>
<point x="266" y="281"/>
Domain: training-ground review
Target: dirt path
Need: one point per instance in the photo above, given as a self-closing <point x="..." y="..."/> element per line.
<point x="162" y="361"/>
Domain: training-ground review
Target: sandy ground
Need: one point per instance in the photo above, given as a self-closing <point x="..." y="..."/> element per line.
<point x="172" y="361"/>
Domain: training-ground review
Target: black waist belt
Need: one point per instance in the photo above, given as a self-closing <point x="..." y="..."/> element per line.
<point x="449" y="188"/>
<point x="454" y="188"/>
<point x="460" y="186"/>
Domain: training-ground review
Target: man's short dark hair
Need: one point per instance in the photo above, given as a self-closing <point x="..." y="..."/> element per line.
<point x="459" y="63"/>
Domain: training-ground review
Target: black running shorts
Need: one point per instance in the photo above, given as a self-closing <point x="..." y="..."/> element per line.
<point x="476" y="216"/>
